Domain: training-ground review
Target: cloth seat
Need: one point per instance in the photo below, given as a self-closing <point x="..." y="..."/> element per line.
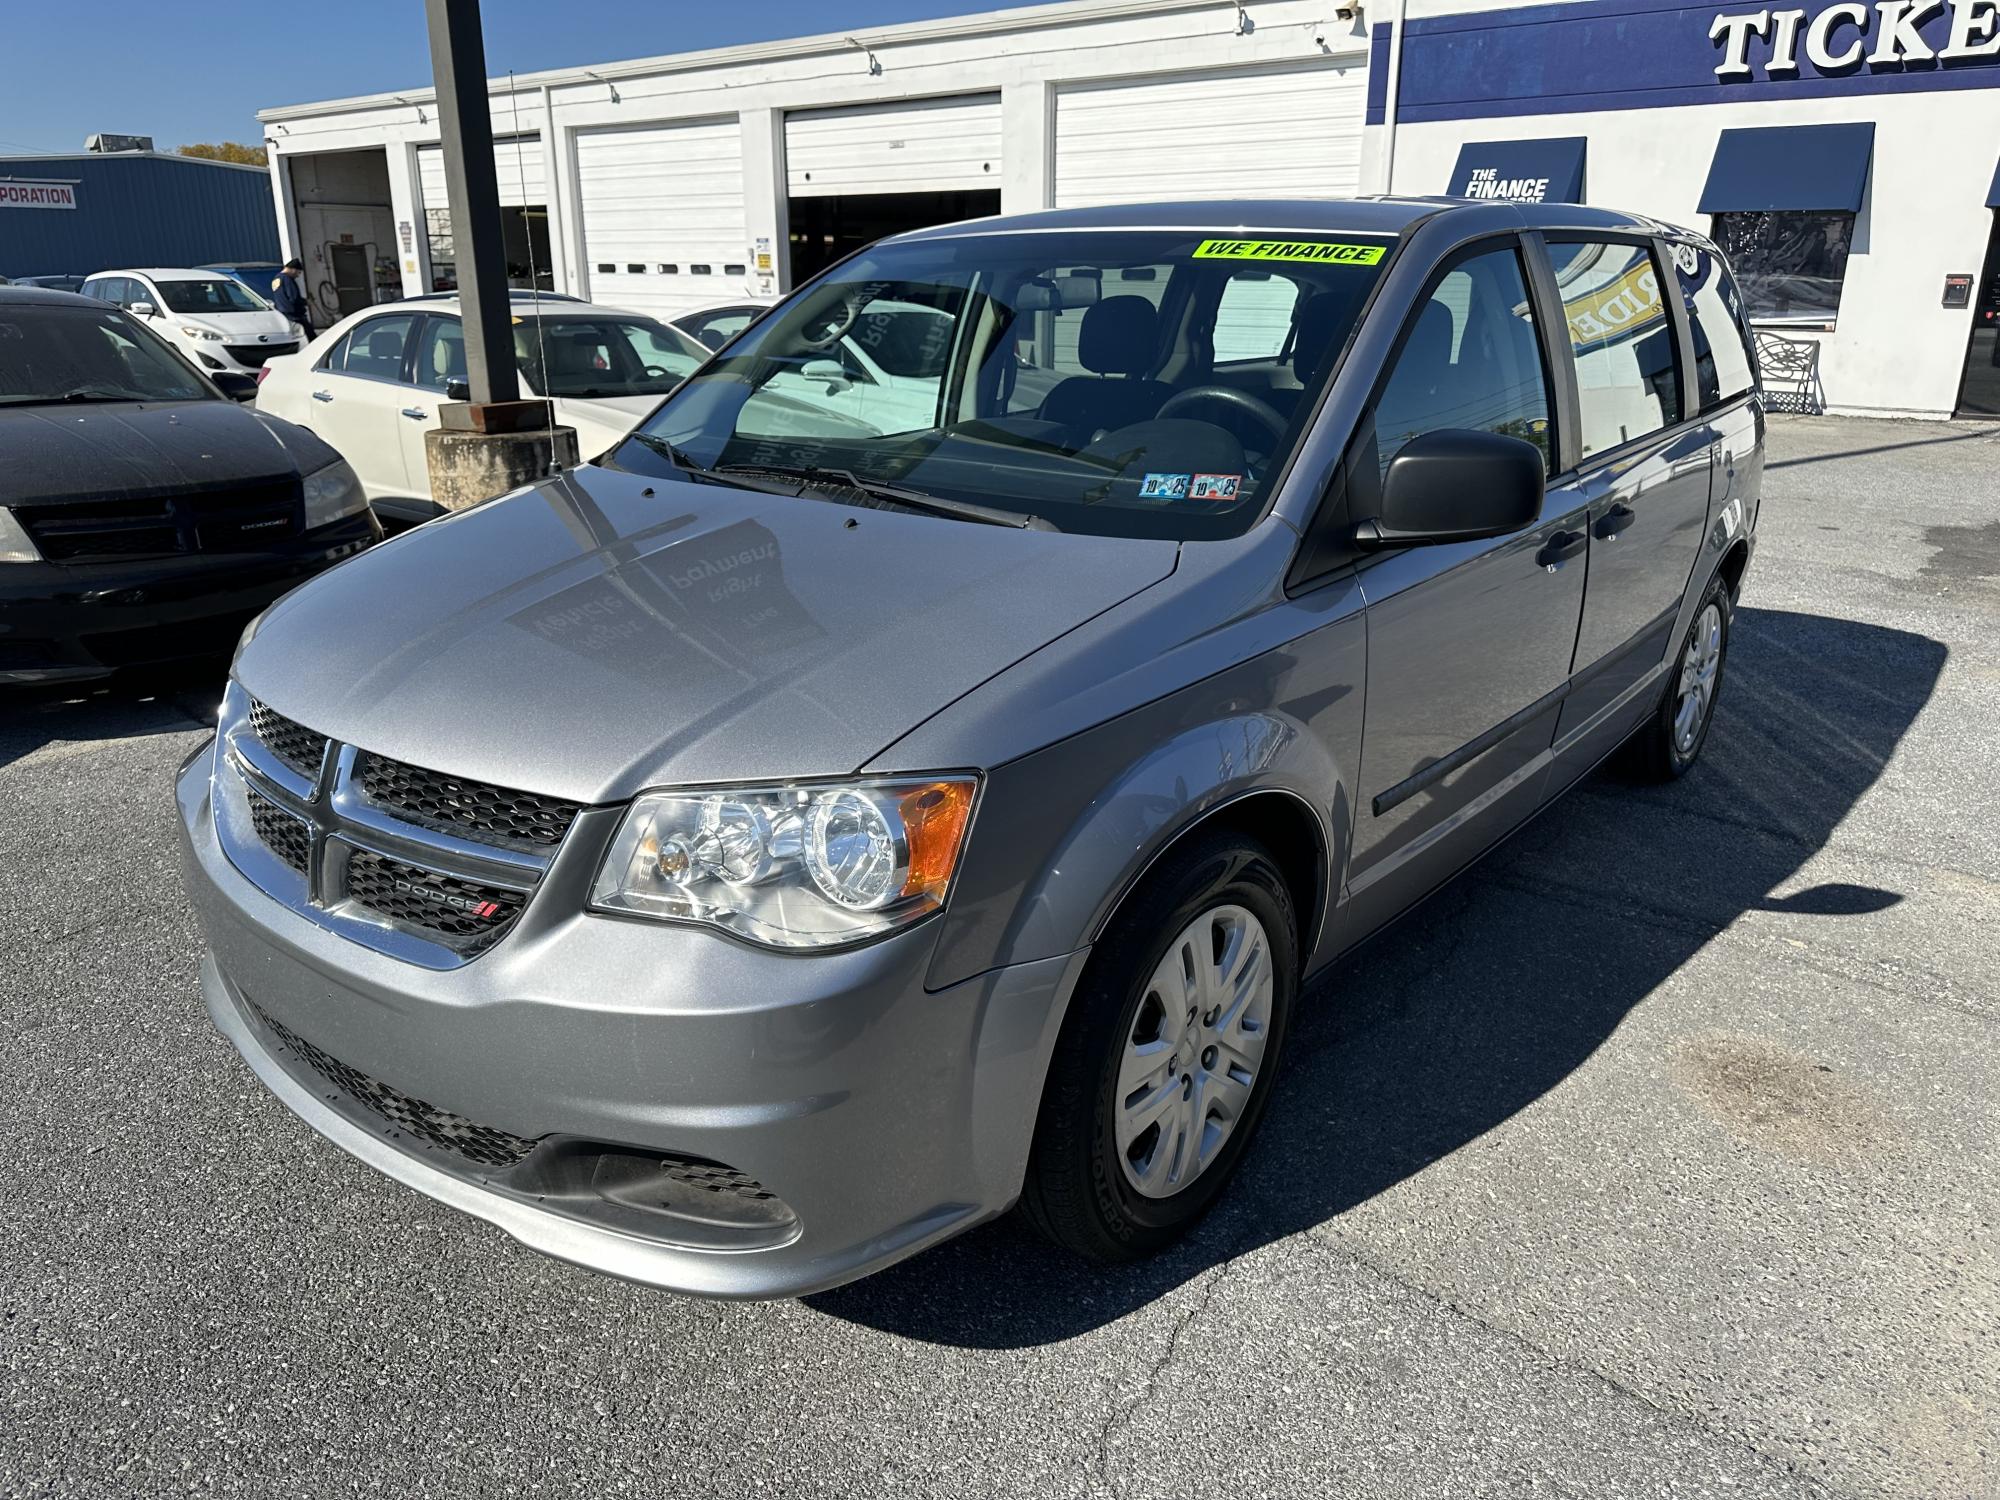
<point x="1118" y="342"/>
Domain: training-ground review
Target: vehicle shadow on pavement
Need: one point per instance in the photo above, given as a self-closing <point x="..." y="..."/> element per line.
<point x="1497" y="989"/>
<point x="158" y="700"/>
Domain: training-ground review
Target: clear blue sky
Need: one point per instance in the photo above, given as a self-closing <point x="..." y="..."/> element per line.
<point x="200" y="72"/>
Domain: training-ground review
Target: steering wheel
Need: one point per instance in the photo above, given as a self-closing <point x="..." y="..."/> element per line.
<point x="1257" y="408"/>
<point x="827" y="327"/>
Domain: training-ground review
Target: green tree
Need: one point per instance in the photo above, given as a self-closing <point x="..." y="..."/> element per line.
<point x="234" y="151"/>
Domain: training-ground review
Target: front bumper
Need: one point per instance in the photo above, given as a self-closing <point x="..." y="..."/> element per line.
<point x="60" y="622"/>
<point x="883" y="1116"/>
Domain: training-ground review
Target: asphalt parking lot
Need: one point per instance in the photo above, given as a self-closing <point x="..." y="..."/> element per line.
<point x="1657" y="1157"/>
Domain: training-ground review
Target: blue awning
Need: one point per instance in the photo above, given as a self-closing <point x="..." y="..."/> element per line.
<point x="1779" y="167"/>
<point x="1548" y="171"/>
<point x="1993" y="193"/>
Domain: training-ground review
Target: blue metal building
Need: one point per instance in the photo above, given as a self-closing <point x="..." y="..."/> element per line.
<point x="99" y="212"/>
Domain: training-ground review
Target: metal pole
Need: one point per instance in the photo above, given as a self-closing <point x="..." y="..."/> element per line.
<point x="472" y="188"/>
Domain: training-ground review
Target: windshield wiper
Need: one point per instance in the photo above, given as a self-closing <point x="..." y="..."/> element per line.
<point x="895" y="494"/>
<point x="81" y="393"/>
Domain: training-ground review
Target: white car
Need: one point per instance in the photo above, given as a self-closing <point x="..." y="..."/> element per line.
<point x="371" y="385"/>
<point x="882" y="370"/>
<point x="225" y="330"/>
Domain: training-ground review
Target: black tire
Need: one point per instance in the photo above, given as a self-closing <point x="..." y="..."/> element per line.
<point x="1076" y="1192"/>
<point x="1655" y="752"/>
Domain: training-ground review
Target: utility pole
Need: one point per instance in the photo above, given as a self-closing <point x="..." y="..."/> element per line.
<point x="472" y="187"/>
<point x="493" y="442"/>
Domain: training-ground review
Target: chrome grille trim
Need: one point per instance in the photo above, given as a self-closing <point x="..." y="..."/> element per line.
<point x="342" y="822"/>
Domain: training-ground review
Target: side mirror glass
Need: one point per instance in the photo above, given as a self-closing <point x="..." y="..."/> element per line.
<point x="143" y="310"/>
<point x="1456" y="486"/>
<point x="458" y="390"/>
<point x="828" y="370"/>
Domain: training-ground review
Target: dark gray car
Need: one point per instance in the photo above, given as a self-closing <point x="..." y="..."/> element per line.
<point x="825" y="822"/>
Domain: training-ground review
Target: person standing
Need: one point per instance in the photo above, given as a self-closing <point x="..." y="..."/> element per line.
<point x="288" y="295"/>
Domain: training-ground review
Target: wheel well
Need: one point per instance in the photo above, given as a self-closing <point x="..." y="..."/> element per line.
<point x="1285" y="825"/>
<point x="1733" y="563"/>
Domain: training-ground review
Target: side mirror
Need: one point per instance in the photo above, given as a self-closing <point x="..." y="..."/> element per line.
<point x="458" y="390"/>
<point x="1456" y="486"/>
<point x="828" y="370"/>
<point x="143" y="310"/>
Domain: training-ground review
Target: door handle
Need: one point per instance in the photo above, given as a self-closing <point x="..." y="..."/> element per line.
<point x="1613" y="521"/>
<point x="322" y="396"/>
<point x="1562" y="544"/>
<point x="416" y="413"/>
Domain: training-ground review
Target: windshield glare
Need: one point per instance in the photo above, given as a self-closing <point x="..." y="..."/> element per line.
<point x="1120" y="382"/>
<point x="68" y="353"/>
<point x="597" y="357"/>
<point x="218" y="294"/>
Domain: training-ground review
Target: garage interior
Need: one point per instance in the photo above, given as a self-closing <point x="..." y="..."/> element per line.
<point x="524" y="214"/>
<point x="824" y="230"/>
<point x="346" y="228"/>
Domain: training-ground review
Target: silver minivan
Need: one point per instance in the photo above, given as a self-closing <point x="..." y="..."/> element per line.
<point x="736" y="865"/>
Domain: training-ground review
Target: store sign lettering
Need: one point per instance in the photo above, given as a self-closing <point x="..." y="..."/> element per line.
<point x="1486" y="182"/>
<point x="1842" y="37"/>
<point x="37" y="195"/>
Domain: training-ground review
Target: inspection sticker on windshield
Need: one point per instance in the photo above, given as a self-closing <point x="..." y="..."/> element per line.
<point x="1325" y="252"/>
<point x="1214" y="487"/>
<point x="1164" y="486"/>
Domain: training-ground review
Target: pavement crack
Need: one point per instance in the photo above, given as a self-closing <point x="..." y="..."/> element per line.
<point x="1120" y="1416"/>
<point x="1331" y="1241"/>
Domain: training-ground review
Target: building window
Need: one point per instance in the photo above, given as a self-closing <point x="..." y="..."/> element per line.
<point x="1789" y="263"/>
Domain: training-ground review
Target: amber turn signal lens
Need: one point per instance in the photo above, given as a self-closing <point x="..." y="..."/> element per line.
<point x="934" y="819"/>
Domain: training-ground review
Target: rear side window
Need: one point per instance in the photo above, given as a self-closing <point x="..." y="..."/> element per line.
<point x="1722" y="360"/>
<point x="374" y="348"/>
<point x="1470" y="360"/>
<point x="1627" y="369"/>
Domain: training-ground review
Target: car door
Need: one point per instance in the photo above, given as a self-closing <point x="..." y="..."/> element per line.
<point x="356" y="394"/>
<point x="439" y="360"/>
<point x="1643" y="457"/>
<point x="1469" y="644"/>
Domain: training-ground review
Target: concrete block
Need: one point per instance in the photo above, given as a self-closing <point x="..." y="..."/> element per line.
<point x="467" y="468"/>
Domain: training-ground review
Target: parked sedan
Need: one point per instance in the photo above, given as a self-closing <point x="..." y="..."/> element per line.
<point x="224" y="329"/>
<point x="143" y="515"/>
<point x="713" y="327"/>
<point x="371" y="385"/>
<point x="743" y="862"/>
<point x="51" y="283"/>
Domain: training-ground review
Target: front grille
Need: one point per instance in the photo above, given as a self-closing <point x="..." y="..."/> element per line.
<point x="254" y="355"/>
<point x="237" y="518"/>
<point x="287" y="837"/>
<point x="297" y="746"/>
<point x="482" y="1144"/>
<point x="469" y="809"/>
<point x="462" y="914"/>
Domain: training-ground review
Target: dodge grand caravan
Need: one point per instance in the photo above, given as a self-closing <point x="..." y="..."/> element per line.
<point x="735" y="865"/>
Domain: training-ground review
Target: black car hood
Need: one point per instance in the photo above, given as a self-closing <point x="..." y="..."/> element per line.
<point x="604" y="632"/>
<point x="116" y="450"/>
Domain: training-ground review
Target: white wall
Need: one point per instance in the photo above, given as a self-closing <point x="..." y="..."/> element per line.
<point x="1894" y="350"/>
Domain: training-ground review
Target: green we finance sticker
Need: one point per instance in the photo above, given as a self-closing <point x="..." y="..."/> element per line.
<point x="1320" y="251"/>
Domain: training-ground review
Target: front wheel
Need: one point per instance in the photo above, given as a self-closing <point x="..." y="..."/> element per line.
<point x="1166" y="1058"/>
<point x="1667" y="745"/>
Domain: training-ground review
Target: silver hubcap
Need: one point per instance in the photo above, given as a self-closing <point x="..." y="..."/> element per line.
<point x="1190" y="1062"/>
<point x="1699" y="665"/>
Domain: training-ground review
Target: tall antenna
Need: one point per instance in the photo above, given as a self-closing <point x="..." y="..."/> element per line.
<point x="534" y="276"/>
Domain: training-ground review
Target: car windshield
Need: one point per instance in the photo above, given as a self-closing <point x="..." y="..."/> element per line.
<point x="211" y="294"/>
<point x="71" y="353"/>
<point x="583" y="358"/>
<point x="1118" y="382"/>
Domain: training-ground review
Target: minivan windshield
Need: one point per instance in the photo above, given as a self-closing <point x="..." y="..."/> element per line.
<point x="64" y="352"/>
<point x="211" y="294"/>
<point x="1115" y="382"/>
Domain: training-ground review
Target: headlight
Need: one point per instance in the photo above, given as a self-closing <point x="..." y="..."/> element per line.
<point x="791" y="867"/>
<point x="201" y="333"/>
<point x="15" y="544"/>
<point x="333" y="492"/>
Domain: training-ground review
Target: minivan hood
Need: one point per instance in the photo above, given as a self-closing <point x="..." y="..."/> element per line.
<point x="236" y="325"/>
<point x="603" y="632"/>
<point x="115" y="450"/>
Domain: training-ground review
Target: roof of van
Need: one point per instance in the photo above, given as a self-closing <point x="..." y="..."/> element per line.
<point x="1378" y="215"/>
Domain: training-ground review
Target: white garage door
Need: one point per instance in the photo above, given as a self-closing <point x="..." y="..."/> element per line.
<point x="517" y="161"/>
<point x="1286" y="132"/>
<point x="662" y="209"/>
<point x="929" y="145"/>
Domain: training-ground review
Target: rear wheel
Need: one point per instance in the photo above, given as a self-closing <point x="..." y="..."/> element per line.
<point x="1167" y="1055"/>
<point x="1667" y="745"/>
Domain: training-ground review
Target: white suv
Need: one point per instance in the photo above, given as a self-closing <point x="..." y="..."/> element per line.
<point x="226" y="330"/>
